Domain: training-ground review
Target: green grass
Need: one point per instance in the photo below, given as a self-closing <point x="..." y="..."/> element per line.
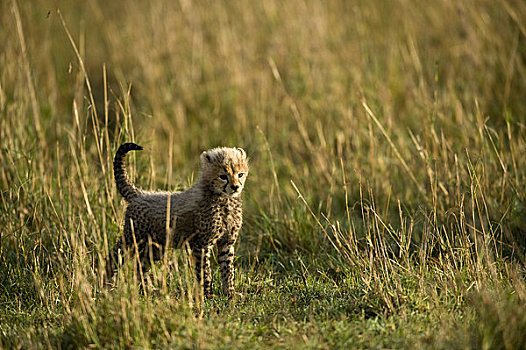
<point x="386" y="203"/>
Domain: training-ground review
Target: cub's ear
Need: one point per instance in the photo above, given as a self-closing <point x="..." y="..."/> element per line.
<point x="205" y="157"/>
<point x="243" y="153"/>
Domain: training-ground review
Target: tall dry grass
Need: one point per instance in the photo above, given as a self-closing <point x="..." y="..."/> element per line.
<point x="386" y="143"/>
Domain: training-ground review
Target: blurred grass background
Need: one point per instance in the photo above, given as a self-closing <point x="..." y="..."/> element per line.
<point x="385" y="205"/>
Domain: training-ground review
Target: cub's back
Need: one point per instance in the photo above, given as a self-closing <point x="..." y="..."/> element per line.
<point x="147" y="214"/>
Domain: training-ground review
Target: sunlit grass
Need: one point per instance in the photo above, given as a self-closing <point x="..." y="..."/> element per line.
<point x="385" y="205"/>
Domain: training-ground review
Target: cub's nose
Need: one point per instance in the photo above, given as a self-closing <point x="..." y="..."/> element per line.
<point x="234" y="187"/>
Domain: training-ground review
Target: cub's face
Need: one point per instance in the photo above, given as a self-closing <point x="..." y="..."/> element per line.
<point x="225" y="170"/>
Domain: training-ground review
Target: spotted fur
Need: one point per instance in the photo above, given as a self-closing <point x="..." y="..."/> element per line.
<point x="208" y="213"/>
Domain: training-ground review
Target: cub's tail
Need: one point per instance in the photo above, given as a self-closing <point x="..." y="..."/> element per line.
<point x="124" y="186"/>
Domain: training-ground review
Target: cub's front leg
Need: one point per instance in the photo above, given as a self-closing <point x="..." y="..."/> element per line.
<point x="225" y="248"/>
<point x="202" y="268"/>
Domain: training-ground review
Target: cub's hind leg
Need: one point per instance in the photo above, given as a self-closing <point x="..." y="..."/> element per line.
<point x="113" y="261"/>
<point x="147" y="253"/>
<point x="143" y="253"/>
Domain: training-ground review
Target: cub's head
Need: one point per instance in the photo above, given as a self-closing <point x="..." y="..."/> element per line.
<point x="224" y="170"/>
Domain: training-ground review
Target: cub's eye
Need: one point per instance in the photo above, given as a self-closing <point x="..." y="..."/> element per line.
<point x="223" y="177"/>
<point x="240" y="175"/>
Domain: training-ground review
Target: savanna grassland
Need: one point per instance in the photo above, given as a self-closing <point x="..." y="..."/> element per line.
<point x="386" y="202"/>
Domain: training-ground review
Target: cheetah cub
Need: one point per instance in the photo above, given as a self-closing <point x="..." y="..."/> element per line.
<point x="209" y="212"/>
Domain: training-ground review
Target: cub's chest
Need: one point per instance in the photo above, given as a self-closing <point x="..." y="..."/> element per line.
<point x="219" y="219"/>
